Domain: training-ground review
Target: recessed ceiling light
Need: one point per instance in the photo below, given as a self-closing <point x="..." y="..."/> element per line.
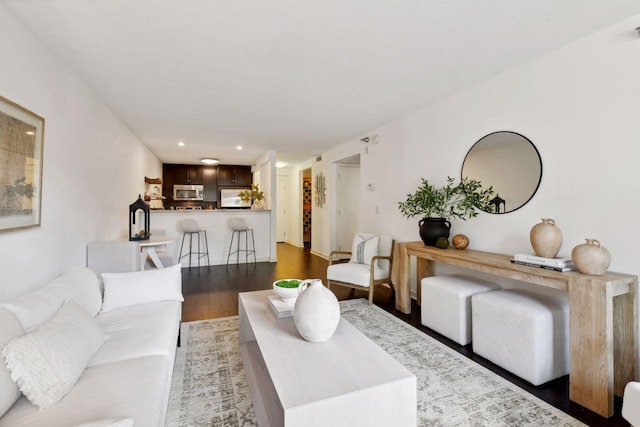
<point x="209" y="161"/>
<point x="239" y="147"/>
<point x="180" y="144"/>
<point x="281" y="164"/>
<point x="30" y="132"/>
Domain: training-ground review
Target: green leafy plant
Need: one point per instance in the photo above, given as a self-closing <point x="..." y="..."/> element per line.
<point x="452" y="200"/>
<point x="254" y="194"/>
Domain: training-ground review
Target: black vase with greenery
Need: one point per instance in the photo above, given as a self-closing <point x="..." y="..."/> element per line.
<point x="433" y="228"/>
<point x="438" y="205"/>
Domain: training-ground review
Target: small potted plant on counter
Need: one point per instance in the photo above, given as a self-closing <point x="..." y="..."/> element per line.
<point x="254" y="195"/>
<point x="437" y="206"/>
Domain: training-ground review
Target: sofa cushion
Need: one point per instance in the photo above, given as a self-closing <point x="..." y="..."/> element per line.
<point x="135" y="388"/>
<point x="357" y="274"/>
<point x="10" y="329"/>
<point x="142" y="287"/>
<point x="47" y="362"/>
<point x="141" y="330"/>
<point x="79" y="284"/>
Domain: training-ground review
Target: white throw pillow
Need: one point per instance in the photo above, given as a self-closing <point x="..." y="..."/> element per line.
<point x="78" y="283"/>
<point x="47" y="362"/>
<point x="34" y="308"/>
<point x="364" y="248"/>
<point x="142" y="287"/>
<point x="10" y="328"/>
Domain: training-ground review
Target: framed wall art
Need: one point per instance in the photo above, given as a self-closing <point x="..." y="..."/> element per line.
<point x="21" y="147"/>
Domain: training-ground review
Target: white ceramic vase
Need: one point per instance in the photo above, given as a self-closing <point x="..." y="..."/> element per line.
<point x="317" y="312"/>
<point x="546" y="238"/>
<point x="591" y="258"/>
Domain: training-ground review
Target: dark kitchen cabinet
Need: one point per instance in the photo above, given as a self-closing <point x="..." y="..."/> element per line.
<point x="168" y="173"/>
<point x="210" y="180"/>
<point x="234" y="176"/>
<point x="174" y="174"/>
<point x="188" y="174"/>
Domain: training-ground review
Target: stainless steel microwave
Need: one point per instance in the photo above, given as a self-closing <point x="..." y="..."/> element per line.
<point x="188" y="192"/>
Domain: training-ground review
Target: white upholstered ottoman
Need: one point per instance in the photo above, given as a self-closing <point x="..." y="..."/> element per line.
<point x="524" y="333"/>
<point x="446" y="304"/>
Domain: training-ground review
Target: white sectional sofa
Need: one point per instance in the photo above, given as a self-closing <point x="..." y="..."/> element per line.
<point x="126" y="381"/>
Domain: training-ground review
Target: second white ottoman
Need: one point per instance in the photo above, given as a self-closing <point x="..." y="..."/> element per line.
<point x="446" y="304"/>
<point x="524" y="333"/>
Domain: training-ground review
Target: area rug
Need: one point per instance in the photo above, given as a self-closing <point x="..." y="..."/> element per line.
<point x="210" y="388"/>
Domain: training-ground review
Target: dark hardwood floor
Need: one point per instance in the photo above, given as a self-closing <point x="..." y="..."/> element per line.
<point x="212" y="292"/>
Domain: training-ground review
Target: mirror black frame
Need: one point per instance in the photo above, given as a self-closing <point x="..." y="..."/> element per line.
<point x="497" y="199"/>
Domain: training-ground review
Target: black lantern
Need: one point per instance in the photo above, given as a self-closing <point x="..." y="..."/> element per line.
<point x="139" y="211"/>
<point x="497" y="201"/>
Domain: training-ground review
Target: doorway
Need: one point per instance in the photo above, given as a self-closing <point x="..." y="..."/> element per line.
<point x="306" y="207"/>
<point x="281" y="208"/>
<point x="347" y="202"/>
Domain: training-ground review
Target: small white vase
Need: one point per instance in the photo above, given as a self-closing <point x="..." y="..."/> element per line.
<point x="546" y="238"/>
<point x="317" y="312"/>
<point x="591" y="258"/>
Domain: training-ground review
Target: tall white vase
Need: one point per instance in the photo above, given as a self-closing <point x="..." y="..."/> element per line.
<point x="317" y="312"/>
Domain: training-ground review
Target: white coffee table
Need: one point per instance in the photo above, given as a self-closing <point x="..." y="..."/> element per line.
<point x="346" y="381"/>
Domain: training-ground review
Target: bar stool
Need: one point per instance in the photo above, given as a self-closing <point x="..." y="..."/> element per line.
<point x="239" y="225"/>
<point x="191" y="227"/>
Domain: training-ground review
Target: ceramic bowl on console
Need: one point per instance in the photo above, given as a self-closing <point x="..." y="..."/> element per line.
<point x="287" y="289"/>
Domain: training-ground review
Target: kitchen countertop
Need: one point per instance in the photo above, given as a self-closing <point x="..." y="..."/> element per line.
<point x="219" y="234"/>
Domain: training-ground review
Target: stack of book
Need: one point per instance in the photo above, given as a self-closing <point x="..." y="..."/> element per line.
<point x="556" y="264"/>
<point x="279" y="307"/>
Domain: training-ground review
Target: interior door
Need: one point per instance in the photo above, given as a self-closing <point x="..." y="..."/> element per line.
<point x="281" y="208"/>
<point x="347" y="205"/>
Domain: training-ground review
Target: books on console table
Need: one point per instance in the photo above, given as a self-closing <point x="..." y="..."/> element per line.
<point x="279" y="307"/>
<point x="548" y="267"/>
<point x="551" y="262"/>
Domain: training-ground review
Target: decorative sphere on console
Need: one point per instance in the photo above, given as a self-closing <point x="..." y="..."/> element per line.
<point x="460" y="241"/>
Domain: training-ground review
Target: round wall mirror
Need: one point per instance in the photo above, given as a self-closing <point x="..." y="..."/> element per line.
<point x="508" y="162"/>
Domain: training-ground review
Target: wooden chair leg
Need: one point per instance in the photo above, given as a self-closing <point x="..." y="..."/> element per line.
<point x="371" y="294"/>
<point x="393" y="288"/>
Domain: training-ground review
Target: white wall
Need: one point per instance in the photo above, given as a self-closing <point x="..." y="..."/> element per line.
<point x="266" y="167"/>
<point x="94" y="167"/>
<point x="579" y="105"/>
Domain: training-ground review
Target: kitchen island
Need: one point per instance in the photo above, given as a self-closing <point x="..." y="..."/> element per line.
<point x="219" y="233"/>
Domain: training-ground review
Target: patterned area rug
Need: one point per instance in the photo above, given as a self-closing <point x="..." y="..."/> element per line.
<point x="210" y="388"/>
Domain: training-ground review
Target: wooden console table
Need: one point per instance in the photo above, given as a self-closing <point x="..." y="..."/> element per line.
<point x="603" y="315"/>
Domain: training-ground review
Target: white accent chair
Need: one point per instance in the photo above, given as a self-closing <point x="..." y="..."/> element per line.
<point x="370" y="264"/>
<point x="631" y="403"/>
<point x="525" y="333"/>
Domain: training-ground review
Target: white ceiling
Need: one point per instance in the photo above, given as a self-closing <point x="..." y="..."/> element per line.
<point x="295" y="76"/>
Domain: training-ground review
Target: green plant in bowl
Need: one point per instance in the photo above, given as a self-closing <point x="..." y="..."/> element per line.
<point x="288" y="283"/>
<point x="287" y="289"/>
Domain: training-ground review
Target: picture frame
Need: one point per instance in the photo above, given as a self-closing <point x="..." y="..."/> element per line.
<point x="21" y="150"/>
